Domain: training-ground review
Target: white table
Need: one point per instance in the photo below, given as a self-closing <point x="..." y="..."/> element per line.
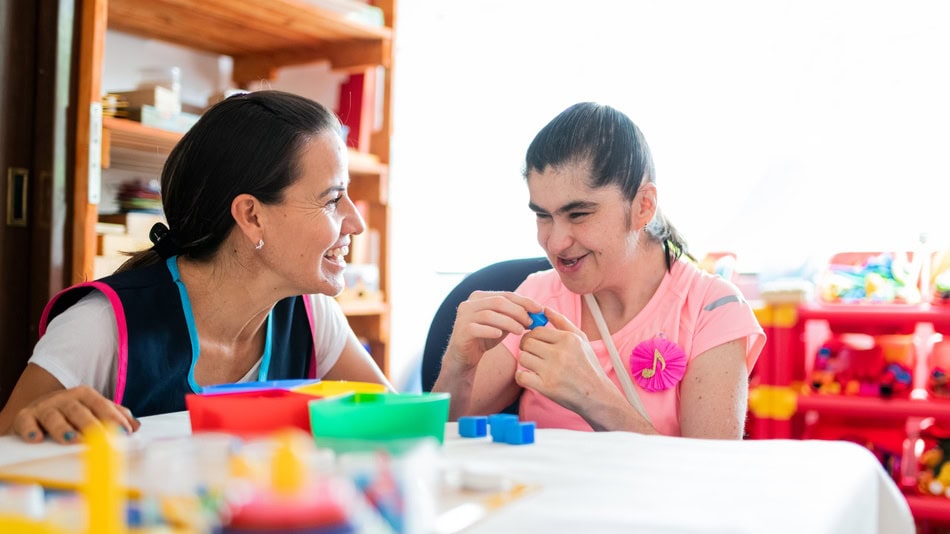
<point x="622" y="482"/>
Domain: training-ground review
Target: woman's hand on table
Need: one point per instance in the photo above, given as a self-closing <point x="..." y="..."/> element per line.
<point x="63" y="414"/>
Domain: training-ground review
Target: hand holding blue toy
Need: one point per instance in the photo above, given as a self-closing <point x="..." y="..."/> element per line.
<point x="537" y="319"/>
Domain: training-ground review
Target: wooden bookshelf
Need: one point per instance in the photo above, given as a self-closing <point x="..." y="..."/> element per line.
<point x="260" y="37"/>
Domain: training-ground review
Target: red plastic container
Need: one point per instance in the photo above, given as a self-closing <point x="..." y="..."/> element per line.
<point x="250" y="413"/>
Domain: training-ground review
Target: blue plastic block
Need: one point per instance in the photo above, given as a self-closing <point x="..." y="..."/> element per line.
<point x="520" y="434"/>
<point x="499" y="422"/>
<point x="537" y="319"/>
<point x="473" y="426"/>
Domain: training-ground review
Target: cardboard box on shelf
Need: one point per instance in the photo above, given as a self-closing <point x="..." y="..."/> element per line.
<point x="116" y="245"/>
<point x="157" y="118"/>
<point x="105" y="265"/>
<point x="161" y="98"/>
<point x="137" y="224"/>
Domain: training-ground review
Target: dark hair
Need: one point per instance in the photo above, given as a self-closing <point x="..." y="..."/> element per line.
<point x="248" y="143"/>
<point x="616" y="152"/>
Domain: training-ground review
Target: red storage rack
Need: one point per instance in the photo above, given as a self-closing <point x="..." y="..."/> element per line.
<point x="780" y="405"/>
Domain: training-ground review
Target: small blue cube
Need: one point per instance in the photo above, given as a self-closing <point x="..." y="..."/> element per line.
<point x="499" y="422"/>
<point x="520" y="434"/>
<point x="473" y="426"/>
<point x="537" y="319"/>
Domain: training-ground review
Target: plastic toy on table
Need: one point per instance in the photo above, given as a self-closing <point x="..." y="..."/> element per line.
<point x="289" y="500"/>
<point x="259" y="408"/>
<point x="101" y="495"/>
<point x="369" y="421"/>
<point x="249" y="413"/>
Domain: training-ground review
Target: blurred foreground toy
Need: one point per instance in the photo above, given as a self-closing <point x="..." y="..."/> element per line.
<point x="101" y="494"/>
<point x="293" y="499"/>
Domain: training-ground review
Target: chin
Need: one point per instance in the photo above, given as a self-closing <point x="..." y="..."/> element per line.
<point x="331" y="286"/>
<point x="574" y="286"/>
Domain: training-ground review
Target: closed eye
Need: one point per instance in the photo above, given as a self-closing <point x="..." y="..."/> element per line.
<point x="332" y="203"/>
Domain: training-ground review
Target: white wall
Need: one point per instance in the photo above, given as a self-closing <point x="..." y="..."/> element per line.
<point x="781" y="130"/>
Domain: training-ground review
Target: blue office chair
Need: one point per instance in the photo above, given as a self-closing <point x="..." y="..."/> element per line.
<point x="502" y="276"/>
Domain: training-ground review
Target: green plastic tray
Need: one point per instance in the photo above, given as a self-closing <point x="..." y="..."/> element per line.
<point x="362" y="421"/>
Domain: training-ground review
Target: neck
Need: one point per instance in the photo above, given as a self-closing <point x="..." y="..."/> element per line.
<point x="621" y="302"/>
<point x="227" y="301"/>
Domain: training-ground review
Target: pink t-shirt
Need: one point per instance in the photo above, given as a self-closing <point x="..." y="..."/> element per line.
<point x="694" y="309"/>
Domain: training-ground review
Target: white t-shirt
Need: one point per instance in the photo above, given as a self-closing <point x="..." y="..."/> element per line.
<point x="92" y="361"/>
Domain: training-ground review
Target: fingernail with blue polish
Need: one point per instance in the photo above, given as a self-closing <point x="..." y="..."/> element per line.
<point x="68" y="436"/>
<point x="31" y="436"/>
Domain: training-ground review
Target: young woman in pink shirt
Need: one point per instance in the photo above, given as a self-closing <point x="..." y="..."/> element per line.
<point x="638" y="338"/>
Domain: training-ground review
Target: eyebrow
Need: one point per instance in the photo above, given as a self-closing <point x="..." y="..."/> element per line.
<point x="333" y="189"/>
<point x="569" y="207"/>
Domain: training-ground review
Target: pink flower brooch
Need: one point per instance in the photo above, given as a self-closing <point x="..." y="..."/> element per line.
<point x="657" y="364"/>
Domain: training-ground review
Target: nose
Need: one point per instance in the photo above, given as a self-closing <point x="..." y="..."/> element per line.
<point x="555" y="237"/>
<point x="353" y="222"/>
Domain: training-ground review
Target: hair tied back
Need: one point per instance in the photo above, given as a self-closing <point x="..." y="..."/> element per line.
<point x="164" y="241"/>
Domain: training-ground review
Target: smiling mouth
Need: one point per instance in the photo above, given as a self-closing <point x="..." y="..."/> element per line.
<point x="337" y="254"/>
<point x="567" y="262"/>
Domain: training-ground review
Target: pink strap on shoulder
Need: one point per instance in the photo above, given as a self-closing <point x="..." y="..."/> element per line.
<point x="122" y="355"/>
<point x="309" y="307"/>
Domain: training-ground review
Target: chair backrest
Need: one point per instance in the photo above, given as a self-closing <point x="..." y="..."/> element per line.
<point x="502" y="276"/>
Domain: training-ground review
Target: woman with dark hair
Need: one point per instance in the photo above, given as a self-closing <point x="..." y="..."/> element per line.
<point x="636" y="338"/>
<point x="238" y="286"/>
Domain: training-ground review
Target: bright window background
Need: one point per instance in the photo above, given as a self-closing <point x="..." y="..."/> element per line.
<point x="780" y="130"/>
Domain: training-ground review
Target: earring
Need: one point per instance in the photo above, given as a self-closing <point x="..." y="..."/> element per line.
<point x="260" y="244"/>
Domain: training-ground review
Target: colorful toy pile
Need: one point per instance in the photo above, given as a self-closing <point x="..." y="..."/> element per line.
<point x="860" y="364"/>
<point x="870" y="277"/>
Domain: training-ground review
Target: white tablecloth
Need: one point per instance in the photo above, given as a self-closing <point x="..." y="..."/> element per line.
<point x="621" y="482"/>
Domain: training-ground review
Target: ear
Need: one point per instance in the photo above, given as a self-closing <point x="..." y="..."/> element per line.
<point x="644" y="205"/>
<point x="246" y="210"/>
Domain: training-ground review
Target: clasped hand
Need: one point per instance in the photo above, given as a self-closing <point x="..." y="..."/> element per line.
<point x="556" y="360"/>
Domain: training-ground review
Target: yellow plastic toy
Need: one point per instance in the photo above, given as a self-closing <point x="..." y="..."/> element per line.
<point x="101" y="491"/>
<point x="333" y="388"/>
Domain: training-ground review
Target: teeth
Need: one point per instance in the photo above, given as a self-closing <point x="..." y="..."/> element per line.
<point x="338" y="252"/>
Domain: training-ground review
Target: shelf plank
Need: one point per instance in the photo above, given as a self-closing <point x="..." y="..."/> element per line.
<point x="874" y="407"/>
<point x="136" y="136"/>
<point x="926" y="508"/>
<point x="356" y="307"/>
<point x="898" y="315"/>
<point x="288" y="31"/>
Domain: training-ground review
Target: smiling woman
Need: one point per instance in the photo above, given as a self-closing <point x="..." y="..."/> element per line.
<point x="238" y="287"/>
<point x="638" y="339"/>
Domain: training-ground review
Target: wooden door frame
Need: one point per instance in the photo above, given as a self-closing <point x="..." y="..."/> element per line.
<point x="36" y="94"/>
